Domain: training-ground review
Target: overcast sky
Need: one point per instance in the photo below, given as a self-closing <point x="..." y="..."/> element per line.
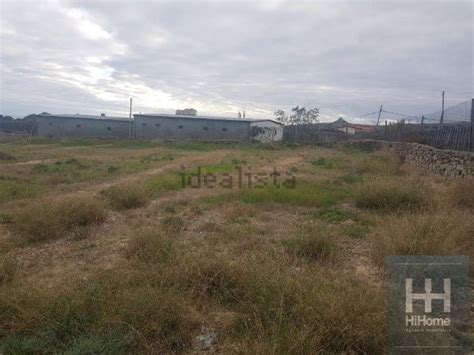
<point x="345" y="57"/>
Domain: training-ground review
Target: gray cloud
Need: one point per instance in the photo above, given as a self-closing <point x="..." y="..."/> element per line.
<point x="221" y="56"/>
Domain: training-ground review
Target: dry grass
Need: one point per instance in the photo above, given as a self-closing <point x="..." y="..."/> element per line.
<point x="462" y="194"/>
<point x="106" y="314"/>
<point x="48" y="218"/>
<point x="313" y="242"/>
<point x="272" y="271"/>
<point x="375" y="164"/>
<point x="8" y="268"/>
<point x="124" y="197"/>
<point x="150" y="246"/>
<point x="434" y="233"/>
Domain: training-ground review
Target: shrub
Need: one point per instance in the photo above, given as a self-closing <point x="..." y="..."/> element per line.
<point x="150" y="246"/>
<point x="313" y="242"/>
<point x="424" y="234"/>
<point x="49" y="218"/>
<point x="315" y="248"/>
<point x="392" y="195"/>
<point x="216" y="279"/>
<point x="125" y="196"/>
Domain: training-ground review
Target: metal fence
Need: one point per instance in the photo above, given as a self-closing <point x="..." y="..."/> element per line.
<point x="312" y="134"/>
<point x="448" y="129"/>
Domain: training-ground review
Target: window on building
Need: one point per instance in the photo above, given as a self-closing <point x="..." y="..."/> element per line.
<point x="78" y="126"/>
<point x="109" y="129"/>
<point x="144" y="124"/>
<point x="180" y="127"/>
<point x="205" y="128"/>
<point x="157" y="125"/>
<point x="224" y="129"/>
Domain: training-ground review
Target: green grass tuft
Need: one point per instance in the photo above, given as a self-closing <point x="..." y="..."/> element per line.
<point x="163" y="183"/>
<point x="304" y="194"/>
<point x="333" y="214"/>
<point x="392" y="195"/>
<point x="11" y="188"/>
<point x="323" y="163"/>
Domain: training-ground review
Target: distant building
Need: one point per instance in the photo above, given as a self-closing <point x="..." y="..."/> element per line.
<point x="352" y="128"/>
<point x="344" y="126"/>
<point x="187" y="112"/>
<point x="50" y="125"/>
<point x="183" y="127"/>
<point x="160" y="126"/>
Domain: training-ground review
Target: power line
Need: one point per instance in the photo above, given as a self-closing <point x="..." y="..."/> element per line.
<point x="400" y="114"/>
<point x="368" y="114"/>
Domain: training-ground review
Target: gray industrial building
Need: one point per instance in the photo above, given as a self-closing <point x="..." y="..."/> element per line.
<point x="161" y="126"/>
<point x="181" y="127"/>
<point x="82" y="126"/>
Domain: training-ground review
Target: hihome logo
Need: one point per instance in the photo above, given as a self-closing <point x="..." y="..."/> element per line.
<point x="428" y="304"/>
<point x="427" y="297"/>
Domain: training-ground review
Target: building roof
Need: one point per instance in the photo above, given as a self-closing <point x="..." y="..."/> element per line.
<point x="86" y="117"/>
<point x="362" y="127"/>
<point x="206" y="117"/>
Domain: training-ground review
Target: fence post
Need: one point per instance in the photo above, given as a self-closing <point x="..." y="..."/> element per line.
<point x="378" y="117"/>
<point x="421" y="124"/>
<point x="471" y="131"/>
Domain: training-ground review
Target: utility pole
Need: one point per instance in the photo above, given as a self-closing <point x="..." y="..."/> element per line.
<point x="130" y="120"/>
<point x="471" y="130"/>
<point x="442" y="108"/>
<point x="378" y="118"/>
<point x="438" y="134"/>
<point x="422" y="121"/>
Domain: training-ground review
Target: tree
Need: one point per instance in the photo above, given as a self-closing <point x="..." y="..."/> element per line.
<point x="312" y="116"/>
<point x="281" y="116"/>
<point x="299" y="115"/>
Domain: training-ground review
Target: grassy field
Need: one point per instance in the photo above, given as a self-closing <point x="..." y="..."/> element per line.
<point x="103" y="250"/>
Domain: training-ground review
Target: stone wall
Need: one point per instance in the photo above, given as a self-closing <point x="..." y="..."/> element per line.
<point x="449" y="163"/>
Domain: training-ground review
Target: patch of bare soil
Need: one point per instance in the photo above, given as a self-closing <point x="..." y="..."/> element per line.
<point x="33" y="162"/>
<point x="360" y="262"/>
